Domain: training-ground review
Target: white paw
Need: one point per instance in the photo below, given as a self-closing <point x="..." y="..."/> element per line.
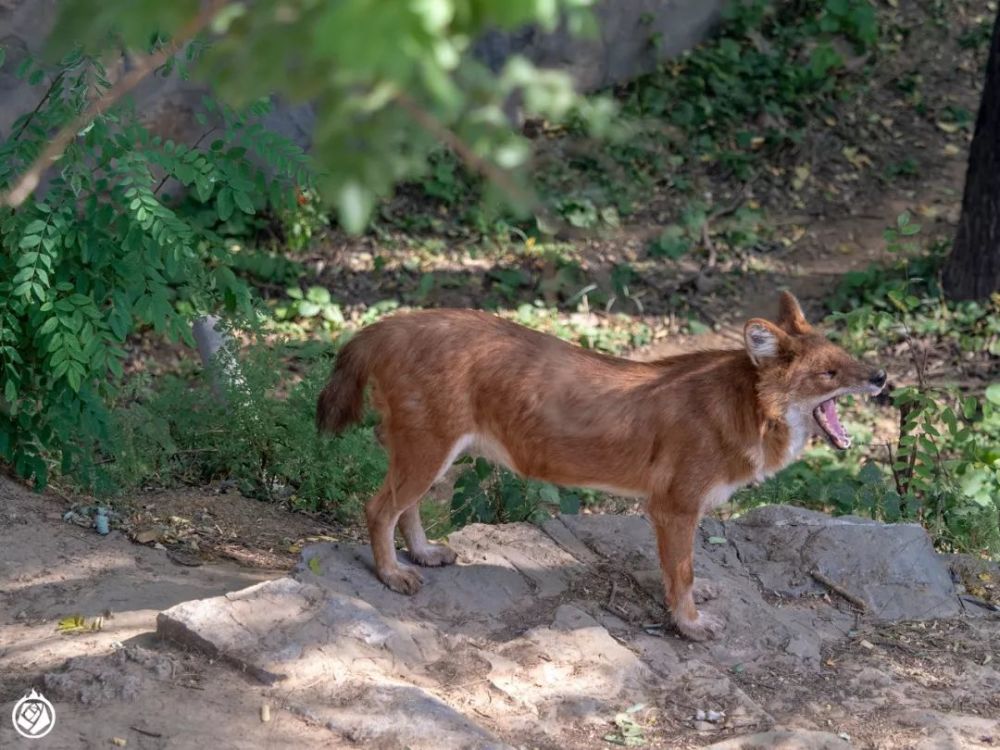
<point x="704" y="627"/>
<point x="402" y="579"/>
<point x="433" y="555"/>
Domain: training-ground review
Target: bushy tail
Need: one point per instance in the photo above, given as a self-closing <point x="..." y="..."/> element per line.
<point x="341" y="402"/>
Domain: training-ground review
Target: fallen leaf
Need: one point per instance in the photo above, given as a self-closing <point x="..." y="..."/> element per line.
<point x="857" y="159"/>
<point x="802" y="174"/>
<point x="75" y="624"/>
<point x="146" y="536"/>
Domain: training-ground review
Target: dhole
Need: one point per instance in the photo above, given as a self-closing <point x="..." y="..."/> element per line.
<point x="683" y="432"/>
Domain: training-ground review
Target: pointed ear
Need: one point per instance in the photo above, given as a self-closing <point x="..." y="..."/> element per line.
<point x="790" y="316"/>
<point x="763" y="339"/>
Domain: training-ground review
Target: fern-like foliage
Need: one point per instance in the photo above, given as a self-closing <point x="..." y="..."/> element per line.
<point x="100" y="253"/>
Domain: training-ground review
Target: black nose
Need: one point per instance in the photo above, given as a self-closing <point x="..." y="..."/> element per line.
<point x="877" y="378"/>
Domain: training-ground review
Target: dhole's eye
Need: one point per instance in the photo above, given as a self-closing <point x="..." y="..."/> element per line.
<point x="829" y="374"/>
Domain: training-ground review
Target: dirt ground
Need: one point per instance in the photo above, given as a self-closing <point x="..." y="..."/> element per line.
<point x="919" y="685"/>
<point x="926" y="685"/>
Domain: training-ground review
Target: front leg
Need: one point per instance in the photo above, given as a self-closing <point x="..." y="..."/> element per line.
<point x="675" y="533"/>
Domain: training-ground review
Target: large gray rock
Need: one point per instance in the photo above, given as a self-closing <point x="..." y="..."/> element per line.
<point x="893" y="569"/>
<point x="540" y="637"/>
<point x="634" y="35"/>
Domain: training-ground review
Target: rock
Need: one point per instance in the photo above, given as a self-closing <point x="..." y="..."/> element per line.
<point x="633" y="37"/>
<point x="524" y="633"/>
<point x="623" y="48"/>
<point x="799" y="739"/>
<point x="893" y="568"/>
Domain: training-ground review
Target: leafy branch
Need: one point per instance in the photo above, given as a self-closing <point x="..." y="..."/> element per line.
<point x="28" y="181"/>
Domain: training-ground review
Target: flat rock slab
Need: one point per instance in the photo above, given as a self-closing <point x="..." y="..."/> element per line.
<point x="893" y="569"/>
<point x="541" y="636"/>
<point x="800" y="739"/>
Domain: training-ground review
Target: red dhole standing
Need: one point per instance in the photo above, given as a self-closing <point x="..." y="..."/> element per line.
<point x="683" y="432"/>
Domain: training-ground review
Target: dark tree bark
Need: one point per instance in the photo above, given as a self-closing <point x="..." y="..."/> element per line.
<point x="972" y="271"/>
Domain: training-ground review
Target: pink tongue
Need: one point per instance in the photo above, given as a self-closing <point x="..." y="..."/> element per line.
<point x="830" y="412"/>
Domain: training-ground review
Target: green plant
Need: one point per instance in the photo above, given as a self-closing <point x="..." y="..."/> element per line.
<point x="261" y="436"/>
<point x="610" y="333"/>
<point x="315" y="304"/>
<point x="262" y="266"/>
<point x="104" y="254"/>
<point x="484" y="494"/>
<point x="714" y="93"/>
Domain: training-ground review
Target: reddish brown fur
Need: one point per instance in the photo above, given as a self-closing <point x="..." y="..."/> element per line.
<point x="682" y="431"/>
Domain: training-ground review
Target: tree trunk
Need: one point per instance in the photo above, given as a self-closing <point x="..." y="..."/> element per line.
<point x="972" y="271"/>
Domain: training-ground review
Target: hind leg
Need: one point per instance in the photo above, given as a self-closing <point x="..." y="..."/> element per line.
<point x="413" y="467"/>
<point x="421" y="551"/>
<point x="382" y="516"/>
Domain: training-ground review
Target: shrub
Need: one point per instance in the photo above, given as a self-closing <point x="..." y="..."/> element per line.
<point x="102" y="254"/>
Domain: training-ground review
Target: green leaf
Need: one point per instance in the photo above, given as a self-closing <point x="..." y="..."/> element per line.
<point x="354" y="205"/>
<point x="31" y="240"/>
<point x="870" y="474"/>
<point x="993" y="393"/>
<point x="73" y="377"/>
<point x="318" y="294"/>
<point x="569" y="503"/>
<point x="969" y="407"/>
<point x="483" y="468"/>
<point x="308" y="309"/>
<point x="548" y="493"/>
<point x="10" y="390"/>
<point x="224" y="203"/>
<point x="244" y="202"/>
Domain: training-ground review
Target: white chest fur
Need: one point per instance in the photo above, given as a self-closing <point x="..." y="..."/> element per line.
<point x="799" y="423"/>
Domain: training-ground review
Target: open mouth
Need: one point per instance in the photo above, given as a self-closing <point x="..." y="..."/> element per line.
<point x="826" y="417"/>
